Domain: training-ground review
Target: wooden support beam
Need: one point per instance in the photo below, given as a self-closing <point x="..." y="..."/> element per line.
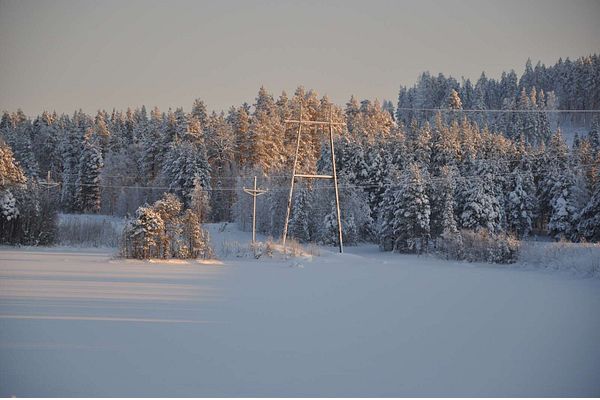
<point x="308" y="122"/>
<point x="335" y="184"/>
<point x="314" y="176"/>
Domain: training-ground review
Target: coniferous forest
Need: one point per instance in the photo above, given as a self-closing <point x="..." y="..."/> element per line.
<point x="449" y="163"/>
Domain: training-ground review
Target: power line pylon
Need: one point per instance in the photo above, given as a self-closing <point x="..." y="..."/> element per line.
<point x="330" y="124"/>
<point x="254" y="193"/>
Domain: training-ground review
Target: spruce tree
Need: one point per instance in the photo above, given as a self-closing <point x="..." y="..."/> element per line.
<point x="388" y="230"/>
<point x="299" y="227"/>
<point x="588" y="227"/>
<point x="480" y="206"/>
<point x="563" y="206"/>
<point x="88" y="184"/>
<point x="521" y="203"/>
<point x="186" y="165"/>
<point x="413" y="213"/>
<point x="442" y="202"/>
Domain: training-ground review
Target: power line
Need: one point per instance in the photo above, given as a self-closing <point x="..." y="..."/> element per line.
<point x="246" y="177"/>
<point x="365" y="185"/>
<point x="496" y="110"/>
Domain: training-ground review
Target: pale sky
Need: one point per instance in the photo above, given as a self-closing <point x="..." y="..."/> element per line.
<point x="65" y="55"/>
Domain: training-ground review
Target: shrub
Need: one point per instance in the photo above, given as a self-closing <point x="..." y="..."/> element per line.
<point x="581" y="258"/>
<point x="160" y="231"/>
<point x="480" y="246"/>
<point x="88" y="230"/>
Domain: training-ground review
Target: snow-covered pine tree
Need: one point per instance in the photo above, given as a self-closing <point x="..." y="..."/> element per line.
<point x="422" y="146"/>
<point x="299" y="226"/>
<point x="588" y="227"/>
<point x="220" y="143"/>
<point x="142" y="237"/>
<point x="551" y="165"/>
<point x="102" y="131"/>
<point x="543" y="121"/>
<point x="594" y="133"/>
<point x="454" y="101"/>
<point x="45" y="143"/>
<point x="376" y="162"/>
<point x="168" y="209"/>
<point x="357" y="224"/>
<point x="152" y="151"/>
<point x="88" y="182"/>
<point x="18" y="133"/>
<point x="442" y="202"/>
<point x="265" y="135"/>
<point x="521" y="203"/>
<point x="200" y="202"/>
<point x="70" y="151"/>
<point x="445" y="145"/>
<point x="184" y="166"/>
<point x="563" y="206"/>
<point x="240" y="123"/>
<point x="443" y="224"/>
<point x="479" y="204"/>
<point x="351" y="111"/>
<point x="12" y="178"/>
<point x="388" y="225"/>
<point x="413" y="213"/>
<point x="195" y="240"/>
<point x="583" y="157"/>
<point x="199" y="112"/>
<point x="11" y="173"/>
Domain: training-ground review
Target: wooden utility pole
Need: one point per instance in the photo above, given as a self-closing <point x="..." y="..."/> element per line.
<point x="330" y="124"/>
<point x="254" y="193"/>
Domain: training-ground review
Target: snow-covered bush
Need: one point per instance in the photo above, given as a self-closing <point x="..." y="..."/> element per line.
<point x="160" y="231"/>
<point x="480" y="245"/>
<point x="581" y="258"/>
<point x="85" y="230"/>
<point x="450" y="245"/>
<point x="144" y="235"/>
<point x="228" y="248"/>
<point x="499" y="248"/>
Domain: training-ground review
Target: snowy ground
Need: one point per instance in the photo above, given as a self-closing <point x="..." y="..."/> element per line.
<point x="79" y="323"/>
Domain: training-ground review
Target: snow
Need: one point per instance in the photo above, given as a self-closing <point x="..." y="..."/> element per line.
<point x="365" y="323"/>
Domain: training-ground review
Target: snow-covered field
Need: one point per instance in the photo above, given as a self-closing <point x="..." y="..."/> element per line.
<point x="76" y="322"/>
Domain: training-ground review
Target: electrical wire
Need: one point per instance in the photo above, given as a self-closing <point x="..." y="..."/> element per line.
<point x="366" y="185"/>
<point x="553" y="111"/>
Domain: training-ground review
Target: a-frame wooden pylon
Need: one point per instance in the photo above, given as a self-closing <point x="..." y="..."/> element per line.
<point x="330" y="124"/>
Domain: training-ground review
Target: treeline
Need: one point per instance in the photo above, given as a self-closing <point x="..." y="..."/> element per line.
<point x="484" y="175"/>
<point x="567" y="85"/>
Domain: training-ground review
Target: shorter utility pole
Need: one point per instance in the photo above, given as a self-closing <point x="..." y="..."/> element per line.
<point x="254" y="193"/>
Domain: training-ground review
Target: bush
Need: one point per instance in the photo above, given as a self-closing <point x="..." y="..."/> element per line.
<point x="581" y="258"/>
<point x="480" y="246"/>
<point x="161" y="231"/>
<point x="89" y="230"/>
